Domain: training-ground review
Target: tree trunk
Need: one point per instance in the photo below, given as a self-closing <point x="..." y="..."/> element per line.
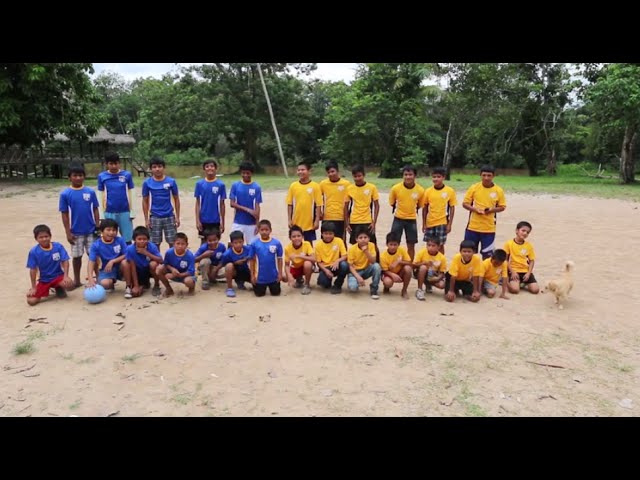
<point x="446" y="161"/>
<point x="251" y="150"/>
<point x="552" y="168"/>
<point x="627" y="166"/>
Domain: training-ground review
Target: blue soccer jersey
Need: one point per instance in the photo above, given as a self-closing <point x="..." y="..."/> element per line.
<point x="266" y="254"/>
<point x="79" y="203"/>
<point x="184" y="263"/>
<point x="216" y="258"/>
<point x="141" y="261"/>
<point x="107" y="251"/>
<point x="48" y="262"/>
<point x="247" y="195"/>
<point x="116" y="187"/>
<point x="161" y="192"/>
<point x="210" y="194"/>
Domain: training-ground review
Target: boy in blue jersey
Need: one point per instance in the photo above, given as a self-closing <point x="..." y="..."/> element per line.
<point x="179" y="266"/>
<point x="51" y="260"/>
<point x="266" y="265"/>
<point x="236" y="263"/>
<point x="78" y="206"/>
<point x="116" y="200"/>
<point x="161" y="217"/>
<point x="139" y="266"/>
<point x="210" y="194"/>
<point x="246" y="196"/>
<point x="210" y="255"/>
<point x="109" y="250"/>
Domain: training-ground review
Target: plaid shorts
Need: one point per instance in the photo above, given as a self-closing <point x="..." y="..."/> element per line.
<point x="439" y="232"/>
<point x="82" y="243"/>
<point x="166" y="225"/>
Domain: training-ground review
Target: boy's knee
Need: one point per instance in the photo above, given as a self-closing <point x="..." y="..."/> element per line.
<point x="376" y="268"/>
<point x="491" y="293"/>
<point x="160" y="270"/>
<point x="33" y="301"/>
<point x="205" y="262"/>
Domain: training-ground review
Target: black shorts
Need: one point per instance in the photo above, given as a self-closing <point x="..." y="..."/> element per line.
<point x="242" y="274"/>
<point x="339" y="227"/>
<point x="409" y="227"/>
<point x="532" y="278"/>
<point x="463" y="285"/>
<point x="357" y="227"/>
<point x="260" y="289"/>
<point x="208" y="226"/>
<point x="144" y="276"/>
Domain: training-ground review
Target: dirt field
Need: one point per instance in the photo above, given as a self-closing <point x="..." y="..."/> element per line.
<point x="324" y="355"/>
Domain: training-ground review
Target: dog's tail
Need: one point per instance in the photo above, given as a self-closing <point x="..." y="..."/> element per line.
<point x="568" y="266"/>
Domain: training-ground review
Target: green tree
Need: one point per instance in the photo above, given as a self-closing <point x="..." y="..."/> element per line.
<point x="38" y="100"/>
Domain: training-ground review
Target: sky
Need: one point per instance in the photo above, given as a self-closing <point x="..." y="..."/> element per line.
<point x="131" y="71"/>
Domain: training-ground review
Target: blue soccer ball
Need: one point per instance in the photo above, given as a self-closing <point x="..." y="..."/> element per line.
<point x="95" y="294"/>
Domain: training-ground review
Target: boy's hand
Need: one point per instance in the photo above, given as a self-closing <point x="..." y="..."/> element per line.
<point x="142" y="251"/>
<point x="31" y="292"/>
<point x="526" y="277"/>
<point x="360" y="280"/>
<point x="475" y="295"/>
<point x="394" y="276"/>
<point x="199" y="225"/>
<point x="71" y="238"/>
<point x="335" y="265"/>
<point x="504" y="295"/>
<point x="147" y="222"/>
<point x="515" y="277"/>
<point x="208" y="253"/>
<point x="109" y="266"/>
<point x="254" y="280"/>
<point x="448" y="228"/>
<point x="177" y="222"/>
<point x="91" y="282"/>
<point x="241" y="261"/>
<point x="136" y="291"/>
<point x="450" y="295"/>
<point x="328" y="273"/>
<point x="66" y="282"/>
<point x="364" y="248"/>
<point x="221" y="227"/>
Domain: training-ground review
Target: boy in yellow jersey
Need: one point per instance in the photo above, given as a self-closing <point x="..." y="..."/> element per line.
<point x="299" y="260"/>
<point x="304" y="203"/>
<point x="361" y="196"/>
<point x="395" y="264"/>
<point x="431" y="264"/>
<point x="483" y="200"/>
<point x="495" y="273"/>
<point x="439" y="208"/>
<point x="334" y="191"/>
<point x="464" y="274"/>
<point x="331" y="256"/>
<point x="521" y="259"/>
<point x="407" y="198"/>
<point x="362" y="264"/>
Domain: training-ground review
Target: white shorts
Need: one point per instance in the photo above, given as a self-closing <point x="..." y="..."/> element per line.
<point x="247" y="231"/>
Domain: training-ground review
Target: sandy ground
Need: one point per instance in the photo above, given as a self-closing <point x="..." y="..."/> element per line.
<point x="322" y="355"/>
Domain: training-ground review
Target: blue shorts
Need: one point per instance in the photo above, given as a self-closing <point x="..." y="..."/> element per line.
<point x="114" y="274"/>
<point x="309" y="235"/>
<point x="125" y="225"/>
<point x="181" y="279"/>
<point x="487" y="240"/>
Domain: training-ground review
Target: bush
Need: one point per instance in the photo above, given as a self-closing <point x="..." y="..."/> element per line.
<point x="193" y="156"/>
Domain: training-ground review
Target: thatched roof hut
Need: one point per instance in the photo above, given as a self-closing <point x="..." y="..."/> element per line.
<point x="103" y="136"/>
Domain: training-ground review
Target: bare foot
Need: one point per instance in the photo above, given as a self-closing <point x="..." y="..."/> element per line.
<point x="74" y="286"/>
<point x="405" y="295"/>
<point x="167" y="293"/>
<point x="191" y="291"/>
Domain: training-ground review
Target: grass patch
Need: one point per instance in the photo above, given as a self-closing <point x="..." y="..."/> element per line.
<point x="182" y="398"/>
<point x="75" y="405"/>
<point x="36" y="335"/>
<point x="67" y="356"/>
<point x="131" y="358"/>
<point x="625" y="368"/>
<point x="24" y="347"/>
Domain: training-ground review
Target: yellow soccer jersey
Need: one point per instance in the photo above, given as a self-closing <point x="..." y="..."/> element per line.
<point x="493" y="274"/>
<point x="520" y="255"/>
<point x="328" y="253"/>
<point x="465" y="271"/>
<point x="358" y="258"/>
<point x="334" y="194"/>
<point x="304" y="198"/>
<point x="439" y="202"/>
<point x="386" y="259"/>
<point x="424" y="256"/>
<point x="406" y="200"/>
<point x="304" y="249"/>
<point x="363" y="198"/>
<point x="482" y="197"/>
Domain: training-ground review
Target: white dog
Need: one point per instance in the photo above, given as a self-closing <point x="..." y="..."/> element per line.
<point x="561" y="287"/>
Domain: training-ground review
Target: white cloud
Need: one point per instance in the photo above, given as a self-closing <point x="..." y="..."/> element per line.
<point x="130" y="71"/>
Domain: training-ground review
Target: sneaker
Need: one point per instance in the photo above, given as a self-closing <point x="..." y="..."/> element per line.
<point x="155" y="291"/>
<point x="306" y="290"/>
<point x="61" y="292"/>
<point x="375" y="296"/>
<point x="336" y="290"/>
<point x="231" y="292"/>
<point x="420" y="294"/>
<point x="428" y="289"/>
<point x="205" y="285"/>
<point x="316" y="269"/>
<point x="241" y="286"/>
<point x="127" y="293"/>
<point x="299" y="283"/>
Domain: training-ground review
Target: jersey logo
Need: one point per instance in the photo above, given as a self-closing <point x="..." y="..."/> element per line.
<point x="498" y="271"/>
<point x="523" y="251"/>
<point x="122" y="179"/>
<point x="366" y="192"/>
<point x="86" y="197"/>
<point x="214" y="189"/>
<point x="340" y="188"/>
<point x="309" y="190"/>
<point x="272" y="249"/>
<point x="116" y="249"/>
<point x="219" y="255"/>
<point x="443" y="194"/>
<point x="335" y="247"/>
<point x="166" y="186"/>
<point x="55" y="257"/>
<point x="414" y="196"/>
<point x="493" y="195"/>
<point x="252" y="192"/>
<point x="183" y="264"/>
